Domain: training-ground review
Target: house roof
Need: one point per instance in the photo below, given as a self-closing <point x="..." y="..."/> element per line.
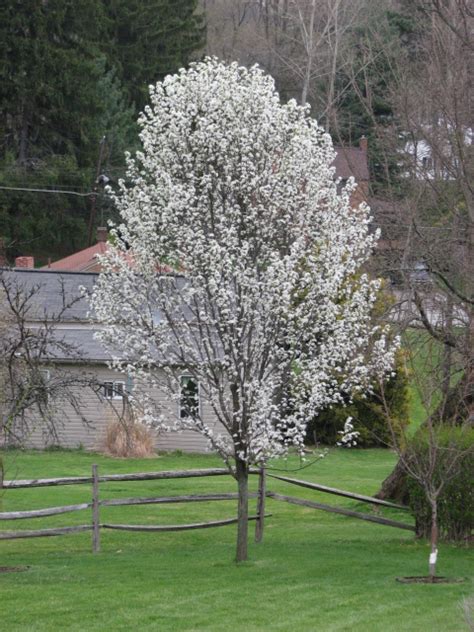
<point x="58" y="298"/>
<point x="54" y="293"/>
<point x="82" y="345"/>
<point x="72" y="335"/>
<point x="82" y="261"/>
<point x="351" y="161"/>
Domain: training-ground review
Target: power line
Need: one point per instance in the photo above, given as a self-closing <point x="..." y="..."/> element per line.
<point x="48" y="191"/>
<point x="55" y="187"/>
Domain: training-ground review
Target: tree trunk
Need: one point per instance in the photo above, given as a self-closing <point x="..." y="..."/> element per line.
<point x="2" y="478"/>
<point x="394" y="487"/>
<point x="458" y="403"/>
<point x="434" y="539"/>
<point x="242" y="475"/>
<point x="309" y="34"/>
<point x="447" y="359"/>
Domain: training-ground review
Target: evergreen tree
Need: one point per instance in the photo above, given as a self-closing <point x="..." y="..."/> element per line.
<point x="117" y="120"/>
<point x="48" y="97"/>
<point x="153" y="38"/>
<point x="58" y="97"/>
<point x="44" y="224"/>
<point x="381" y="40"/>
<point x="73" y="74"/>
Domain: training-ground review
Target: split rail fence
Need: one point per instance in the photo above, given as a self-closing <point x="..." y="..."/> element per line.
<point x="96" y="503"/>
<point x="340" y="510"/>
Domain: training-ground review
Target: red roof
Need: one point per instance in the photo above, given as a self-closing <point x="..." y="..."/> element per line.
<point x="86" y="261"/>
<point x="351" y="161"/>
<point x="82" y="261"/>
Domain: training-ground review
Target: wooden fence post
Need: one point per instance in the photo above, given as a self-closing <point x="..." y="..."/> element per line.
<point x="95" y="511"/>
<point x="260" y="505"/>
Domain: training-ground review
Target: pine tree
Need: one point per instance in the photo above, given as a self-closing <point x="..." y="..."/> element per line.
<point x="58" y="97"/>
<point x="383" y="38"/>
<point x="48" y="74"/>
<point x="71" y="73"/>
<point x="153" y="38"/>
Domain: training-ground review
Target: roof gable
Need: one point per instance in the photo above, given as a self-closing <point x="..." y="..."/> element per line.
<point x="351" y="161"/>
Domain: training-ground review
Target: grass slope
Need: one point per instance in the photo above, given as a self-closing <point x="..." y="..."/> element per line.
<point x="314" y="571"/>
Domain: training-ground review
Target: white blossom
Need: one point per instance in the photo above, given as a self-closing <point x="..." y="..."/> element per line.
<point x="237" y="260"/>
<point x="349" y="436"/>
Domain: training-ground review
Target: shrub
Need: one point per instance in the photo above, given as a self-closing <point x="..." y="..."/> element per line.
<point x="131" y="439"/>
<point x="367" y="413"/>
<point x="456" y="501"/>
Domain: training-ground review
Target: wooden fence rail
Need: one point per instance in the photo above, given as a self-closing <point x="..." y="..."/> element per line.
<point x="42" y="513"/>
<point x="39" y="533"/>
<point x="339" y="492"/>
<point x="175" y="527"/>
<point x="139" y="476"/>
<point x="96" y="503"/>
<point x="339" y="510"/>
<point x="194" y="498"/>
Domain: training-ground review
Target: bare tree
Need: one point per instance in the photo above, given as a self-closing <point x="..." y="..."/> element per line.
<point x="430" y="138"/>
<point x="236" y="30"/>
<point x="34" y="357"/>
<point x="302" y="43"/>
<point x="435" y="455"/>
<point x="427" y="214"/>
<point x="434" y="102"/>
<point x="313" y="42"/>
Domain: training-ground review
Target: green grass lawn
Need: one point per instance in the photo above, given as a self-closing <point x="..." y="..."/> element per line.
<point x="314" y="571"/>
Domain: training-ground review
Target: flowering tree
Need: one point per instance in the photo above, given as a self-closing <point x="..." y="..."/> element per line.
<point x="238" y="263"/>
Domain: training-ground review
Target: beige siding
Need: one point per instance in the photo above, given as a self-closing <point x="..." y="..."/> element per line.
<point x="73" y="433"/>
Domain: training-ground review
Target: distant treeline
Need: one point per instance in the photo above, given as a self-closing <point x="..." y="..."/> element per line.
<point x="74" y="75"/>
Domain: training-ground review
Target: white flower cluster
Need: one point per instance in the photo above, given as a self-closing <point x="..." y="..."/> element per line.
<point x="349" y="436"/>
<point x="238" y="261"/>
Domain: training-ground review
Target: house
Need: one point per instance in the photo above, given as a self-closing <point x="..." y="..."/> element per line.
<point x="102" y="392"/>
<point x="436" y="152"/>
<point x="353" y="162"/>
<point x="106" y="401"/>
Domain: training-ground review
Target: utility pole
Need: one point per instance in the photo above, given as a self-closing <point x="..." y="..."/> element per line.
<point x="95" y="187"/>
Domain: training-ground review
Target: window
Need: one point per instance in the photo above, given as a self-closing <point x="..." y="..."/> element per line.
<point x="45" y="376"/>
<point x="427" y="162"/>
<point x="189" y="397"/>
<point x="114" y="390"/>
